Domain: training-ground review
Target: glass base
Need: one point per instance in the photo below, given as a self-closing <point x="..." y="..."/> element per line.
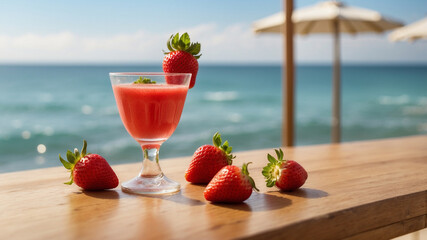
<point x="151" y="185"/>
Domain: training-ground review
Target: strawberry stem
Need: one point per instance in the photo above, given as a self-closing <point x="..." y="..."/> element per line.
<point x="84" y="148"/>
<point x="246" y="173"/>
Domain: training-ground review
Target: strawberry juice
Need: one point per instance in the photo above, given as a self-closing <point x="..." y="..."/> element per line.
<point x="150" y="112"/>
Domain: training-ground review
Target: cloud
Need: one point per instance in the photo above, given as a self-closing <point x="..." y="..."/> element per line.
<point x="43" y="42"/>
<point x="69" y="47"/>
<point x="233" y="43"/>
<point x="236" y="43"/>
<point x="362" y="48"/>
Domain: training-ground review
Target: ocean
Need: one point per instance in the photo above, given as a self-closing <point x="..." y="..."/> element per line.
<point x="46" y="110"/>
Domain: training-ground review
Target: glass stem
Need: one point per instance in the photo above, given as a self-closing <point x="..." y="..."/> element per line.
<point x="150" y="164"/>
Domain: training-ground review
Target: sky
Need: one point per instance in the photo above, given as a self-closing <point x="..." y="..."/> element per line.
<point x="123" y="32"/>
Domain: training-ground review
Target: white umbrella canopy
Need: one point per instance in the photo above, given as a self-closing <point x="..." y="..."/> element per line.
<point x="330" y="17"/>
<point x="411" y="32"/>
<point x="320" y="17"/>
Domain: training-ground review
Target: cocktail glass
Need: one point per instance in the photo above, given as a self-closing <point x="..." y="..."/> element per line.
<point x="150" y="113"/>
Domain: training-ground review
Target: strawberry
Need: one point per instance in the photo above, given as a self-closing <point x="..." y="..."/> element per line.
<point x="182" y="57"/>
<point x="208" y="160"/>
<point x="91" y="171"/>
<point x="287" y="175"/>
<point x="230" y="185"/>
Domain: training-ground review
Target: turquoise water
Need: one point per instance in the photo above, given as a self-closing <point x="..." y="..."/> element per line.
<point x="59" y="106"/>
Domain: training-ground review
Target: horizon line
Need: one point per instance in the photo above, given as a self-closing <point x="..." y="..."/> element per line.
<point x="151" y="64"/>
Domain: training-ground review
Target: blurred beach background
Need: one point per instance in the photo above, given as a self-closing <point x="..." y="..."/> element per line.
<point x="55" y="90"/>
<point x="49" y="109"/>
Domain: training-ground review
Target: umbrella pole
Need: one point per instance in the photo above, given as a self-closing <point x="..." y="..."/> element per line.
<point x="288" y="78"/>
<point x="336" y="87"/>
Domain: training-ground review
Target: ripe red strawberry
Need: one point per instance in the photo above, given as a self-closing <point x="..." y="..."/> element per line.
<point x="287" y="175"/>
<point x="208" y="160"/>
<point x="91" y="171"/>
<point x="182" y="57"/>
<point x="230" y="185"/>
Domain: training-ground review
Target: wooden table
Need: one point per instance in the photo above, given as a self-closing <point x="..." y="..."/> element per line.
<point x="359" y="190"/>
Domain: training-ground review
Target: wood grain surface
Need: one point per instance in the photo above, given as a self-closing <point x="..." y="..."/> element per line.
<point x="360" y="190"/>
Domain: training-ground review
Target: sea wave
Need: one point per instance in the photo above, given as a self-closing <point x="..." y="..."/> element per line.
<point x="35" y="106"/>
<point x="415" y="110"/>
<point x="396" y="100"/>
<point x="422" y="127"/>
<point x="422" y="101"/>
<point x="221" y="96"/>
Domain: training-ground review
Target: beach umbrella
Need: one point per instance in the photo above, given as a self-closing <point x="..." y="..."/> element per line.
<point x="288" y="128"/>
<point x="411" y="32"/>
<point x="330" y="17"/>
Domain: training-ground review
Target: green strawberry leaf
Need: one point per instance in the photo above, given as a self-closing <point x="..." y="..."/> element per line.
<point x="196" y="49"/>
<point x="144" y="80"/>
<point x="271" y="158"/>
<point x="191" y="48"/>
<point x="70" y="182"/>
<point x="71" y="157"/>
<point x="266" y="170"/>
<point x="270" y="183"/>
<point x="225" y="145"/>
<point x="169" y="43"/>
<point x="273" y="170"/>
<point x="175" y="40"/>
<point x="66" y="164"/>
<point x="185" y="39"/>
<point x="216" y="140"/>
<point x="279" y="154"/>
<point x="183" y="43"/>
<point x="229" y="149"/>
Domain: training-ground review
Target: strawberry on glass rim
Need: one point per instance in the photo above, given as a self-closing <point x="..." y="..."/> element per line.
<point x="287" y="175"/>
<point x="182" y="57"/>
